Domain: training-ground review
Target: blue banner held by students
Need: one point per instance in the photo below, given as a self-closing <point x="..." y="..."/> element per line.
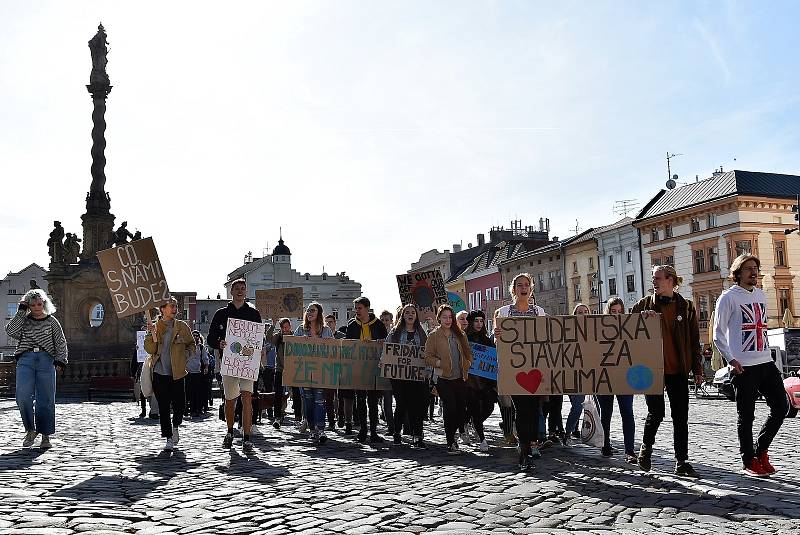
<point x="484" y="361"/>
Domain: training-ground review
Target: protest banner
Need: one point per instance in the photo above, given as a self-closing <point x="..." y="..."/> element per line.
<point x="456" y="302"/>
<point x="403" y="361"/>
<point x="484" y="361"/>
<point x="141" y="354"/>
<point x="589" y="354"/>
<point x="279" y="303"/>
<point x="424" y="289"/>
<point x="242" y="354"/>
<point x="134" y="277"/>
<point x="332" y="363"/>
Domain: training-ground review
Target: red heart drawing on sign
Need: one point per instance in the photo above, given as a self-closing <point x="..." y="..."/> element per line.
<point x="530" y="381"/>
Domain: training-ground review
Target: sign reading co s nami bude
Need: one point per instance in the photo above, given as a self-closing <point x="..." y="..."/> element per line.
<point x="587" y="354"/>
<point x="134" y="277"/>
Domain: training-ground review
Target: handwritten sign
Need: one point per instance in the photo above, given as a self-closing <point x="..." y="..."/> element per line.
<point x="405" y="362"/>
<point x="134" y="277"/>
<point x="242" y="354"/>
<point x="484" y="361"/>
<point x="280" y="303"/>
<point x="589" y="354"/>
<point x="333" y="363"/>
<point x="141" y="354"/>
<point x="424" y="289"/>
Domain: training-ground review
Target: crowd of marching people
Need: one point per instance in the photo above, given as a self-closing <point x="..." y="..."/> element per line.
<point x="184" y="366"/>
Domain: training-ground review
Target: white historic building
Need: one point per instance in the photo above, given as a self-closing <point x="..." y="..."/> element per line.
<point x="12" y="288"/>
<point x="335" y="292"/>
<point x="620" y="262"/>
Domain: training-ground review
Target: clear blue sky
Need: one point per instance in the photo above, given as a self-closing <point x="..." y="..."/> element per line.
<point x="372" y="132"/>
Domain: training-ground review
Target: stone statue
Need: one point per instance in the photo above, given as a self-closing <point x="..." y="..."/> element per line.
<point x="72" y="248"/>
<point x="121" y="235"/>
<point x="99" y="49"/>
<point x="137" y="235"/>
<point x="55" y="244"/>
<point x="34" y="284"/>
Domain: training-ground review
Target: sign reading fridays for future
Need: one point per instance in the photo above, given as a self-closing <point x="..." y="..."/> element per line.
<point x="588" y="354"/>
<point x="405" y="362"/>
<point x="134" y="277"/>
<point x="331" y="363"/>
<point x="424" y="289"/>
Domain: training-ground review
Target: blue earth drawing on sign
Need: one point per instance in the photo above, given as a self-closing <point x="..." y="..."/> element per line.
<point x="640" y="377"/>
<point x="456" y="302"/>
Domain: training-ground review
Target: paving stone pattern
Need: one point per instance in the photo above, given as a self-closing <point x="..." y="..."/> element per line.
<point x="107" y="474"/>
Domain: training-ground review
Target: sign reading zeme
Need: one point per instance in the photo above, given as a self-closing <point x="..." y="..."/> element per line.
<point x="134" y="277"/>
<point x="279" y="303"/>
<point x="403" y="361"/>
<point x="424" y="289"/>
<point x="330" y="363"/>
<point x="588" y="354"/>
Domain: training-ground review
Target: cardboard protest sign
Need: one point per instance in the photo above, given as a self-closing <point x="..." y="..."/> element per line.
<point x="405" y="362"/>
<point x="280" y="303"/>
<point x="424" y="289"/>
<point x="242" y="354"/>
<point x="589" y="354"/>
<point x="484" y="361"/>
<point x="141" y="354"/>
<point x="332" y="363"/>
<point x="134" y="277"/>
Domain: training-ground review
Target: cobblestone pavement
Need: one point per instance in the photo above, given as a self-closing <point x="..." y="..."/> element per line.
<point x="107" y="474"/>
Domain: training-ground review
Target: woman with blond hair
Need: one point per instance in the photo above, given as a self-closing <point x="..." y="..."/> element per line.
<point x="448" y="351"/>
<point x="526" y="408"/>
<point x="314" y="326"/>
<point x="41" y="348"/>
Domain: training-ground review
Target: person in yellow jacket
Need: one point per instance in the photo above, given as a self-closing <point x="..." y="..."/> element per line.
<point x="448" y="351"/>
<point x="169" y="342"/>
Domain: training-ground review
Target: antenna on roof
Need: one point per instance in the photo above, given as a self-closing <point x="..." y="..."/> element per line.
<point x="671" y="179"/>
<point x="577" y="228"/>
<point x="624" y="206"/>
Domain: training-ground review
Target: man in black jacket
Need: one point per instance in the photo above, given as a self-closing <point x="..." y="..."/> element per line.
<point x="233" y="387"/>
<point x="365" y="326"/>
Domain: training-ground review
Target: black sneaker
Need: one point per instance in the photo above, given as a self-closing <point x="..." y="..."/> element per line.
<point x="348" y="430"/>
<point x="420" y="444"/>
<point x="607" y="452"/>
<point x="525" y="463"/>
<point x="362" y="436"/>
<point x="227" y="443"/>
<point x="685" y="469"/>
<point x="576" y="434"/>
<point x="375" y="438"/>
<point x="644" y="458"/>
<point x="276" y="424"/>
<point x="340" y="424"/>
<point x="247" y="447"/>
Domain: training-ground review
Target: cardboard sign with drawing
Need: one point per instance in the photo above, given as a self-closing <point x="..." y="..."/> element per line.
<point x="424" y="289"/>
<point x="242" y="354"/>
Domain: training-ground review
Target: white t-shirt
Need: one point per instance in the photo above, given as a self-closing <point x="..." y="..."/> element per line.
<point x="740" y="326"/>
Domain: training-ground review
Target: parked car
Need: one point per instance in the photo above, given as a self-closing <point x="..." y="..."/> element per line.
<point x="722" y="382"/>
<point x="792" y="386"/>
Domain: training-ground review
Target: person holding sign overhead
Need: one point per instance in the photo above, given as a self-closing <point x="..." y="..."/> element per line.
<point x="169" y="342"/>
<point x="681" y="346"/>
<point x="411" y="396"/>
<point x="448" y="351"/>
<point x="526" y="408"/>
<point x="233" y="387"/>
<point x="314" y="398"/>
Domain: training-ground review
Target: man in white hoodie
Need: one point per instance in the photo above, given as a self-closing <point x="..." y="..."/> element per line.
<point x="740" y="334"/>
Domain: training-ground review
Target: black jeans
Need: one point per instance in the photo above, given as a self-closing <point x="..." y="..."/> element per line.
<point x="170" y="394"/>
<point x="277" y="387"/>
<point x="412" y="402"/>
<point x="297" y="403"/>
<point x="526" y="416"/>
<point x="365" y="399"/>
<point x="480" y="405"/>
<point x="555" y="423"/>
<point x="453" y="396"/>
<point x="196" y="388"/>
<point x="677" y="387"/>
<point x="764" y="378"/>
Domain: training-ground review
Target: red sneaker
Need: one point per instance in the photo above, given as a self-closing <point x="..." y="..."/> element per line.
<point x="755" y="469"/>
<point x="763" y="458"/>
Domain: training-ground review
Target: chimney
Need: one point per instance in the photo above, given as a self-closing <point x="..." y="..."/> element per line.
<point x="481" y="239"/>
<point x="555" y="238"/>
<point x="456" y="248"/>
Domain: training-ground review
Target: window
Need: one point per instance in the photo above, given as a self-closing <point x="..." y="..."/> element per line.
<point x="702" y="308"/>
<point x="488" y="294"/>
<point x="743" y="246"/>
<point x="471" y="302"/>
<point x="575" y="267"/>
<point x="540" y="277"/>
<point x="553" y="280"/>
<point x="667" y="231"/>
<point x="577" y="291"/>
<point x="591" y="263"/>
<point x="656" y="261"/>
<point x="538" y="262"/>
<point x="628" y="256"/>
<point x="713" y="259"/>
<point x="11" y="311"/>
<point x="699" y="261"/>
<point x="669" y="260"/>
<point x="496" y="293"/>
<point x="204" y="316"/>
<point x="560" y="279"/>
<point x="780" y="253"/>
<point x="712" y="220"/>
<point x="695" y="225"/>
<point x="630" y="283"/>
<point x="593" y="288"/>
<point x="784" y="300"/>
<point x="610" y="260"/>
<point x="612" y="287"/>
<point x="654" y="234"/>
<point x="477" y="300"/>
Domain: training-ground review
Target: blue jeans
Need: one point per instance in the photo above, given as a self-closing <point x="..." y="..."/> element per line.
<point x="314" y="407"/>
<point x="36" y="382"/>
<point x="576" y="400"/>
<point x="625" y="403"/>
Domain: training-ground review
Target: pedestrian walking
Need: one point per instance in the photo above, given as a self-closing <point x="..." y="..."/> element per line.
<point x="386" y="401"/>
<point x="481" y="391"/>
<point x="575" y="400"/>
<point x="314" y="398"/>
<point x="196" y="366"/>
<point x="284" y="329"/>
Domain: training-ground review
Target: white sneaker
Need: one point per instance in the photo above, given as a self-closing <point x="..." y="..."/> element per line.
<point x="484" y="446"/>
<point x="30" y="436"/>
<point x="169" y="445"/>
<point x="45" y="445"/>
<point x="465" y="438"/>
<point x="303" y="426"/>
<point x="176" y="436"/>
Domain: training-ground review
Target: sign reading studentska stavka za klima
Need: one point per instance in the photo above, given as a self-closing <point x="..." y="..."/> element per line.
<point x="134" y="277"/>
<point x="333" y="363"/>
<point x="587" y="354"/>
